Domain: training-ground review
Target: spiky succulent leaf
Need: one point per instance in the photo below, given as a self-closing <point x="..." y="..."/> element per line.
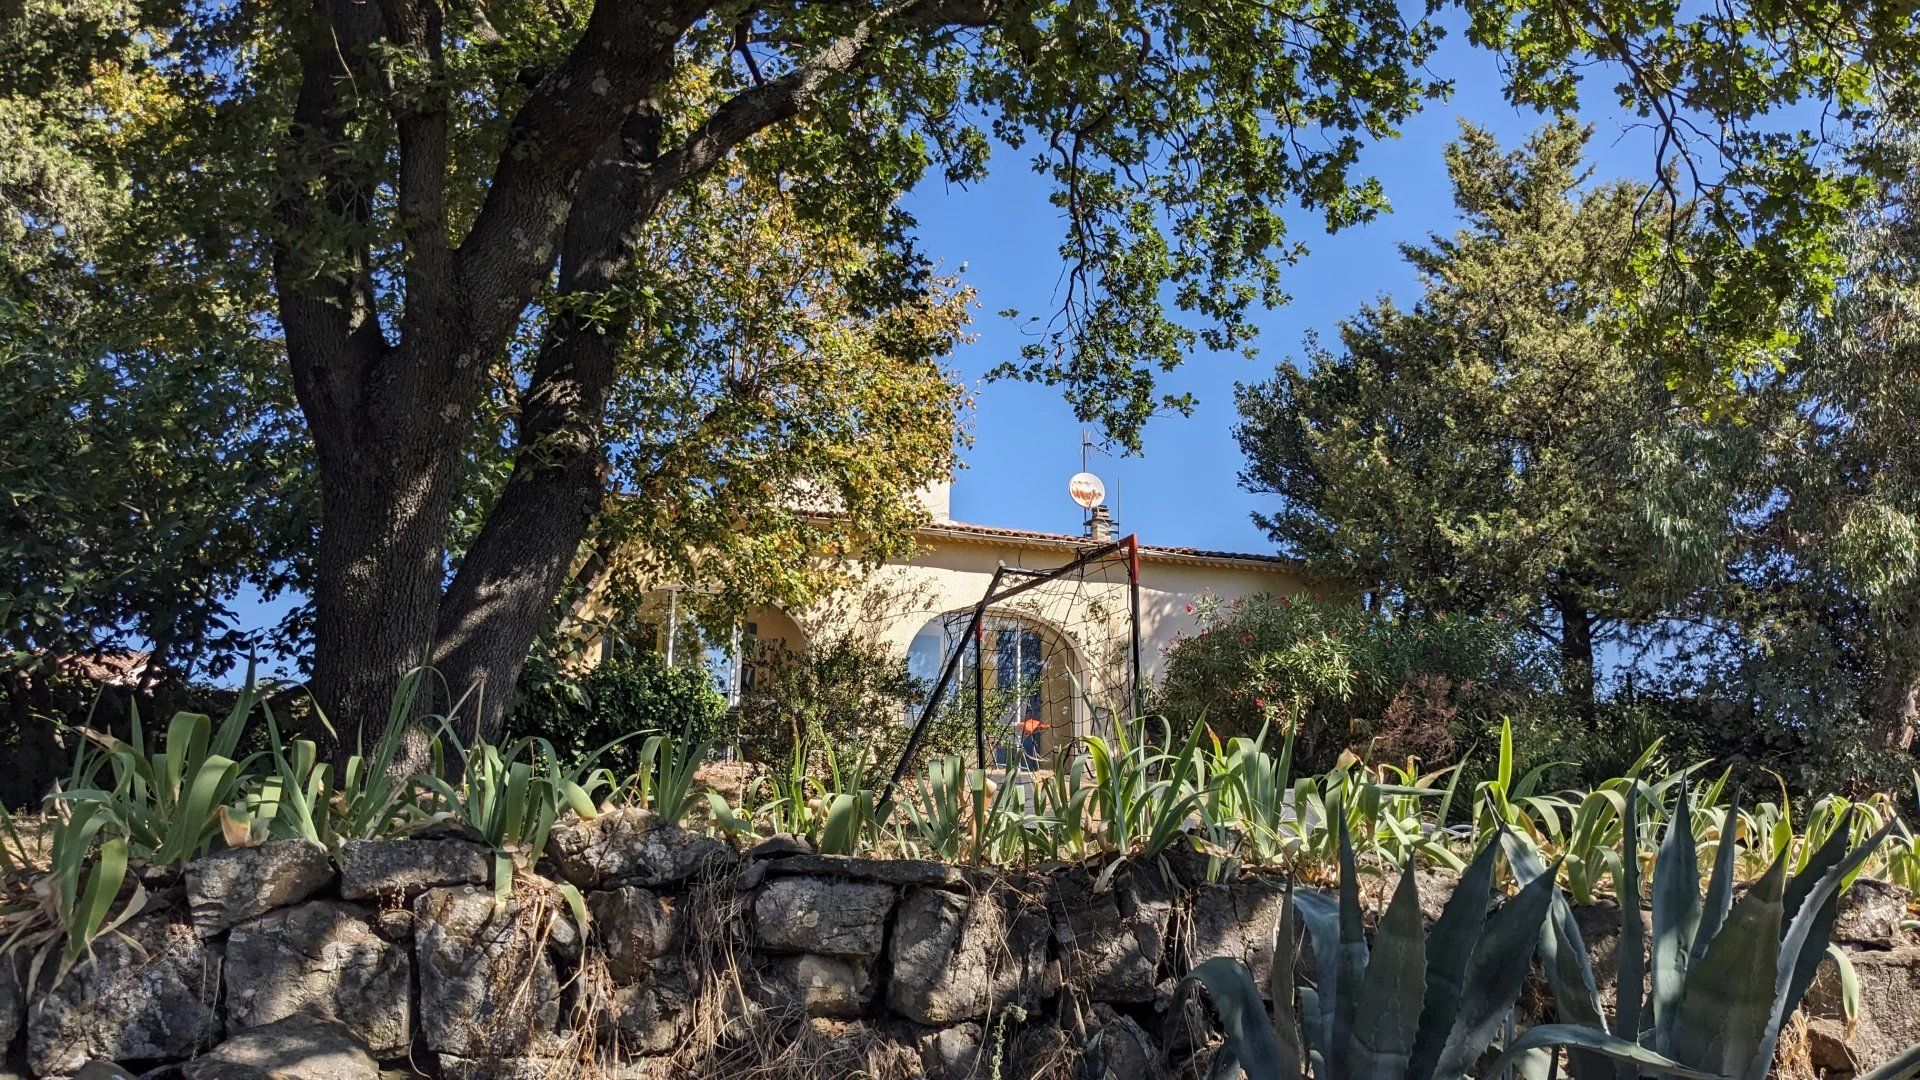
<point x="1494" y="975"/>
<point x="1728" y="1001"/>
<point x="1676" y="917"/>
<point x="1563" y="955"/>
<point x="1392" y="990"/>
<point x="1250" y="1045"/>
<point x="1589" y="1040"/>
<point x="1719" y="900"/>
<point x="1805" y="942"/>
<point x="1449" y="948"/>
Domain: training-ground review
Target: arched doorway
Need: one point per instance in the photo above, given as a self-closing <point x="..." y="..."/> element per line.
<point x="1031" y="703"/>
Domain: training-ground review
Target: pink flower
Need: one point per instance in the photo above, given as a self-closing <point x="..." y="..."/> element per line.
<point x="1189" y="609"/>
<point x="1244" y="638"/>
<point x="1259" y="703"/>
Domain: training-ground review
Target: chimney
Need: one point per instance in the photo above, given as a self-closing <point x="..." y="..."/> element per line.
<point x="1100" y="524"/>
<point x="937" y="499"/>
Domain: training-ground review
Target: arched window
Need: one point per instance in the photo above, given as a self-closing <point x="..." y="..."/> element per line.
<point x="1025" y="671"/>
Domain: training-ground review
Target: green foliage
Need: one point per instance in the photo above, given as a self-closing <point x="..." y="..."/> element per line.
<point x="580" y="714"/>
<point x="1725" y="974"/>
<point x="511" y="795"/>
<point x="1337" y="675"/>
<point x="843" y="689"/>
<point x="1414" y="1003"/>
<point x="1503" y="447"/>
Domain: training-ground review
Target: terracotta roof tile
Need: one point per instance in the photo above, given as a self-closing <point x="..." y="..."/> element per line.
<point x="1063" y="538"/>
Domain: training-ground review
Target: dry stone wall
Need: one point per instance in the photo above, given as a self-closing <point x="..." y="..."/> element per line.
<point x="397" y="959"/>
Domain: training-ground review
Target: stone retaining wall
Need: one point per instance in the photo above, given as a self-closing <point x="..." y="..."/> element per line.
<point x="273" y="961"/>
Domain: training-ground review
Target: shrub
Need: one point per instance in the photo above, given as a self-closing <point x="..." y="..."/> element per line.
<point x="846" y="690"/>
<point x="580" y="715"/>
<point x="1340" y="676"/>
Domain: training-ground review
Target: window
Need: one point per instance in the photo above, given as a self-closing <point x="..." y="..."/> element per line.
<point x="1024" y="671"/>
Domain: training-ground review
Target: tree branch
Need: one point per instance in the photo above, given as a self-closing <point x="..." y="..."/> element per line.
<point x="324" y="284"/>
<point x="625" y="52"/>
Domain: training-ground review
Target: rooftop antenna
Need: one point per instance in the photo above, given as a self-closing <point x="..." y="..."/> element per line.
<point x="1091" y="494"/>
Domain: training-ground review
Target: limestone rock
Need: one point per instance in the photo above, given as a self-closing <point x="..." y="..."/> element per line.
<point x="649" y="1018"/>
<point x="830" y="916"/>
<point x="148" y="993"/>
<point x="487" y="987"/>
<point x="293" y="1048"/>
<point x="387" y="869"/>
<point x="1869" y="913"/>
<point x="1889" y="1020"/>
<point x="1121" y="1048"/>
<point x="321" y="959"/>
<point x="454" y="1067"/>
<point x="780" y="845"/>
<point x="1240" y="920"/>
<point x="630" y="847"/>
<point x="13" y="1001"/>
<point x="826" y="985"/>
<point x="897" y="872"/>
<point x="1600" y="928"/>
<point x="961" y="958"/>
<point x="951" y="1053"/>
<point x="635" y="928"/>
<point x="102" y="1070"/>
<point x="1112" y="942"/>
<point x="232" y="886"/>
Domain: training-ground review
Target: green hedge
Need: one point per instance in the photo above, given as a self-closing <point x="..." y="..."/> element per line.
<point x="582" y="714"/>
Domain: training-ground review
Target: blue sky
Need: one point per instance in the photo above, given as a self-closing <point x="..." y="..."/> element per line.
<point x="1183" y="489"/>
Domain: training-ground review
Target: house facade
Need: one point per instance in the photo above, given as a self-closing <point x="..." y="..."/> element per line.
<point x="1059" y="653"/>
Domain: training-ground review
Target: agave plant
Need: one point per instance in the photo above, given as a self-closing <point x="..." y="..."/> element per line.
<point x="1142" y="798"/>
<point x="1412" y="1005"/>
<point x="836" y="809"/>
<point x="663" y="779"/>
<point x="1724" y="976"/>
<point x="511" y="796"/>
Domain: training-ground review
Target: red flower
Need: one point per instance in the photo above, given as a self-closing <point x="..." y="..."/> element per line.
<point x="1259" y="703"/>
<point x="1244" y="638"/>
<point x="1189" y="609"/>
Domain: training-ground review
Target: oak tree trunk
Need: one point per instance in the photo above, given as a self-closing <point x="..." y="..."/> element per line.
<point x="1576" y="655"/>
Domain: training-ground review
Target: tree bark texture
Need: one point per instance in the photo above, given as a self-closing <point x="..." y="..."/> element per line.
<point x="390" y="385"/>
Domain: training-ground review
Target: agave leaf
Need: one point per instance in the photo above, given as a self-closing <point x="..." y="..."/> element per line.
<point x="1249" y="1045"/>
<point x="1353" y="946"/>
<point x="1719" y="899"/>
<point x="1725" y="1011"/>
<point x="1286" y="1023"/>
<point x="1630" y="1055"/>
<point x="1391" y="991"/>
<point x="1805" y="942"/>
<point x="1676" y="917"/>
<point x="1494" y="975"/>
<point x="1631" y="955"/>
<point x="1449" y="948"/>
<point x="1563" y="954"/>
<point x="1321" y="914"/>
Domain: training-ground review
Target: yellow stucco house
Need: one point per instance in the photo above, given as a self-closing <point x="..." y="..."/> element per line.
<point x="1059" y="652"/>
